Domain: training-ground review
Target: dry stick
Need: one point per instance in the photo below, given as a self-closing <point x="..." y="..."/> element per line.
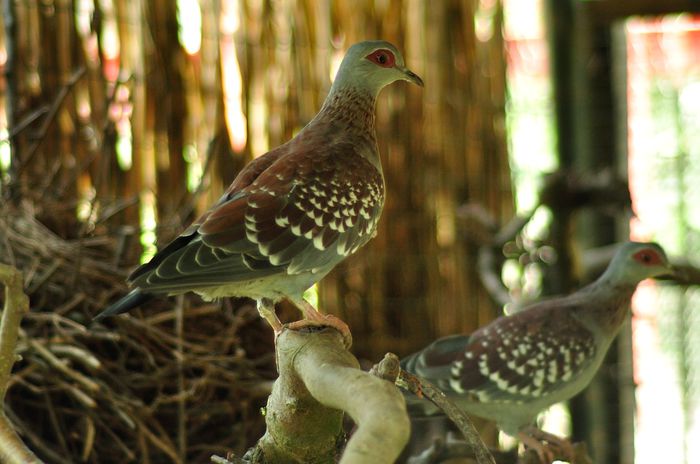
<point x="12" y="79"/>
<point x="422" y="387"/>
<point x="50" y="116"/>
<point x="488" y="265"/>
<point x="27" y="121"/>
<point x="63" y="367"/>
<point x="319" y="378"/>
<point x="12" y="449"/>
<point x="182" y="395"/>
<point x="228" y="460"/>
<point x="37" y="441"/>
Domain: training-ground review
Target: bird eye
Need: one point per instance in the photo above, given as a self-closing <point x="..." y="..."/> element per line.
<point x="647" y="257"/>
<point x="382" y="57"/>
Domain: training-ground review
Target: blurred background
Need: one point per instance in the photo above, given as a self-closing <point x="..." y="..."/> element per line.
<point x="546" y="131"/>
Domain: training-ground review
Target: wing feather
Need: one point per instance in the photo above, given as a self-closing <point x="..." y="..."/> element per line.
<point x="303" y="212"/>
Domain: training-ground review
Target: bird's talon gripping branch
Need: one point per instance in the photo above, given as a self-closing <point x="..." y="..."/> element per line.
<point x="563" y="446"/>
<point x="314" y="317"/>
<point x="544" y="454"/>
<point x="548" y="447"/>
<point x="324" y="320"/>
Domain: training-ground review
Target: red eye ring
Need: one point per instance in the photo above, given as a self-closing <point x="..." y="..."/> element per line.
<point x="647" y="257"/>
<point x="382" y="57"/>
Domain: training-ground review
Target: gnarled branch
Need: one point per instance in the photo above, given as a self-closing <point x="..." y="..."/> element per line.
<point x="12" y="449"/>
<point x="319" y="379"/>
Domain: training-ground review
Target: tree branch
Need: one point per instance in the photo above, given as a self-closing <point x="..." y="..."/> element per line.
<point x="319" y="379"/>
<point x="563" y="192"/>
<point x="12" y="449"/>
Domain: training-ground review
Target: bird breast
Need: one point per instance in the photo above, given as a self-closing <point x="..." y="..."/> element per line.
<point x="275" y="287"/>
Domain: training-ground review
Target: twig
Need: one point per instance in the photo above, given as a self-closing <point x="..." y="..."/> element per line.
<point x="12" y="449"/>
<point x="182" y="396"/>
<point x="26" y="121"/>
<point x="89" y="442"/>
<point x="36" y="440"/>
<point x="62" y="367"/>
<point x="228" y="460"/>
<point x="161" y="443"/>
<point x="563" y="192"/>
<point x="491" y="241"/>
<point x="423" y="388"/>
<point x="388" y="368"/>
<point x="135" y="368"/>
<point x="53" y="420"/>
<point x="487" y="266"/>
<point x="50" y="117"/>
<point x="12" y="79"/>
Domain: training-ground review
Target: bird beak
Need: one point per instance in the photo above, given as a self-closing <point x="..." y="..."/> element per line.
<point x="411" y="76"/>
<point x="673" y="273"/>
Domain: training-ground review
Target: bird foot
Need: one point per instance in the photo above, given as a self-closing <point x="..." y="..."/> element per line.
<point x="266" y="309"/>
<point x="316" y="319"/>
<point x="544" y="454"/>
<point x="547" y="446"/>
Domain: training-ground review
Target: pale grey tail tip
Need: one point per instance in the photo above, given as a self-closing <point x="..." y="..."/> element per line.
<point x="128" y="302"/>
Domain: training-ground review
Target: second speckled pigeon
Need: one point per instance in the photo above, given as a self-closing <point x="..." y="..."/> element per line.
<point x="518" y="365"/>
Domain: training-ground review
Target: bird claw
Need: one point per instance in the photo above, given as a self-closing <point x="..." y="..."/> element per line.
<point x="545" y="444"/>
<point x="324" y="320"/>
<point x="313" y="317"/>
<point x="544" y="455"/>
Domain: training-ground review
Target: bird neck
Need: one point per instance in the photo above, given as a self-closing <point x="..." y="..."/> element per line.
<point x="352" y="107"/>
<point x="608" y="304"/>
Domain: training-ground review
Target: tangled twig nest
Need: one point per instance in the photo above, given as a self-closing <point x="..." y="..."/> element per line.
<point x="177" y="386"/>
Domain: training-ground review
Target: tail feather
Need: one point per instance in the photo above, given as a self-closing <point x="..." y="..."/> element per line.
<point x="128" y="302"/>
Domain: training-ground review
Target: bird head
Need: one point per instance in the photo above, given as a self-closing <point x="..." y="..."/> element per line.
<point x="372" y="65"/>
<point x="636" y="261"/>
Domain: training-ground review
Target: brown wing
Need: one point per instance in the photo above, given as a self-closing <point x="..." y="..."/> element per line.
<point x="524" y="356"/>
<point x="304" y="213"/>
<point x="245" y="177"/>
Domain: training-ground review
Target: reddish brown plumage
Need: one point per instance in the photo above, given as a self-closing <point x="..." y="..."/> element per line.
<point x="292" y="214"/>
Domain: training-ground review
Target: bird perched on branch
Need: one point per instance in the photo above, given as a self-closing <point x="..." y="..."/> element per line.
<point x="295" y="212"/>
<point x="518" y="365"/>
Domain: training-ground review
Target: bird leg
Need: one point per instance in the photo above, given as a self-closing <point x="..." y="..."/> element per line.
<point x="544" y="454"/>
<point x="313" y="317"/>
<point x="541" y="442"/>
<point x="266" y="309"/>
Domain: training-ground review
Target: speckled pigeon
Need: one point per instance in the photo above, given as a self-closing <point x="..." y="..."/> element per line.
<point x="292" y="214"/>
<point x="518" y="365"/>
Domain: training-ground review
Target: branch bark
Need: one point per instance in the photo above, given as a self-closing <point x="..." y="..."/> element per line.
<point x="12" y="449"/>
<point x="319" y="379"/>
